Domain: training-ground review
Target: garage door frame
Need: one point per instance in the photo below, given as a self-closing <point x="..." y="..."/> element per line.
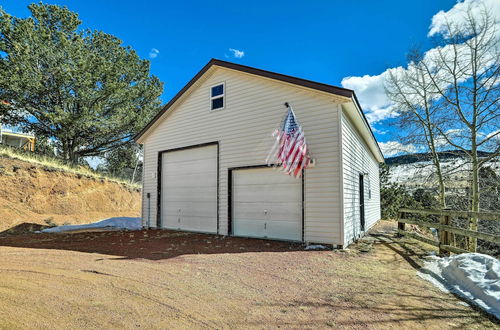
<point x="159" y="181"/>
<point x="230" y="196"/>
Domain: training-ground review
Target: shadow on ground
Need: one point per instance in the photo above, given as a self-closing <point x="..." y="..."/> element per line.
<point x="393" y="316"/>
<point x="371" y="285"/>
<point x="150" y="244"/>
<point x="413" y="252"/>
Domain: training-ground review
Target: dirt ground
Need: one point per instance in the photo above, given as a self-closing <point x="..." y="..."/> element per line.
<point x="166" y="279"/>
<point x="31" y="193"/>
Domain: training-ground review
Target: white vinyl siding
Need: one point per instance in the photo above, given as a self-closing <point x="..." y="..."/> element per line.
<point x="356" y="160"/>
<point x="253" y="110"/>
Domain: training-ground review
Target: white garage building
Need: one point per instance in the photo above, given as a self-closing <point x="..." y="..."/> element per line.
<point x="204" y="160"/>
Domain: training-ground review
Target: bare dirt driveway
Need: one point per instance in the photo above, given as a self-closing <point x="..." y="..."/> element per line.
<point x="165" y="279"/>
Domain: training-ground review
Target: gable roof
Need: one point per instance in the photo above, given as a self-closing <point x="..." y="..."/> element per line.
<point x="344" y="92"/>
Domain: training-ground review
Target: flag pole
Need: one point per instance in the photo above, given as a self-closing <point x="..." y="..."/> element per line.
<point x="293" y="112"/>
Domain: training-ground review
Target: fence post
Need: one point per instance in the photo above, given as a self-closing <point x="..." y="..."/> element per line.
<point x="401" y="225"/>
<point x="444" y="236"/>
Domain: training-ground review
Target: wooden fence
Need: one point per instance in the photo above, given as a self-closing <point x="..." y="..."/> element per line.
<point x="445" y="228"/>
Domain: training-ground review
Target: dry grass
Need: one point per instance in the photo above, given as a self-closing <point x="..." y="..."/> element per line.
<point x="54" y="163"/>
<point x="203" y="281"/>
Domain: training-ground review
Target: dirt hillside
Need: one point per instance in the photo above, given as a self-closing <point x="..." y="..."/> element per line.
<point x="31" y="193"/>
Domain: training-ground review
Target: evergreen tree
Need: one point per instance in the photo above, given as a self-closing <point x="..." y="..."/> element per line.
<point x="124" y="162"/>
<point x="81" y="88"/>
<point x="393" y="196"/>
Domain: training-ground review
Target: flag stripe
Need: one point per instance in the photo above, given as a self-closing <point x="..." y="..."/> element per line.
<point x="290" y="147"/>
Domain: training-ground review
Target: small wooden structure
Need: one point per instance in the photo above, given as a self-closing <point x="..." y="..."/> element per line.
<point x="18" y="140"/>
<point x="445" y="228"/>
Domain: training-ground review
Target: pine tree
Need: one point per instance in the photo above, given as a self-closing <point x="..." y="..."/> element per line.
<point x="79" y="87"/>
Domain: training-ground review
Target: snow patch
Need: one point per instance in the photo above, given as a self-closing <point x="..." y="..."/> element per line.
<point x="315" y="247"/>
<point x="128" y="223"/>
<point x="473" y="276"/>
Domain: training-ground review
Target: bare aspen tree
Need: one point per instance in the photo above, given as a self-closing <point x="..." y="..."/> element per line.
<point x="449" y="97"/>
<point x="414" y="98"/>
<point x="464" y="72"/>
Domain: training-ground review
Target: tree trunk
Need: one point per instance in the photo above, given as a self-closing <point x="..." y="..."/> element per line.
<point x="439" y="174"/>
<point x="69" y="154"/>
<point x="475" y="196"/>
<point x="74" y="158"/>
<point x="437" y="162"/>
<point x="65" y="151"/>
<point x="442" y="188"/>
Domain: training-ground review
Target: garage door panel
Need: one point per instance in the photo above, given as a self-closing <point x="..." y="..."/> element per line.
<point x="193" y="154"/>
<point x="190" y="223"/>
<point x="189" y="189"/>
<point x="263" y="176"/>
<point x="194" y="162"/>
<point x="248" y="211"/>
<point x="193" y="167"/>
<point x="196" y="208"/>
<point x="204" y="181"/>
<point x="266" y="203"/>
<point x="279" y="194"/>
<point x="285" y="230"/>
<point x="275" y="211"/>
<point x="250" y="228"/>
<point x="183" y="194"/>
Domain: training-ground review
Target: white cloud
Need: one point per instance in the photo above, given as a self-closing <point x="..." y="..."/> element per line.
<point x="494" y="136"/>
<point x="392" y="148"/>
<point x="441" y="141"/>
<point x="153" y="53"/>
<point x="370" y="89"/>
<point x="378" y="131"/>
<point x="458" y="14"/>
<point x="451" y="134"/>
<point x="497" y="132"/>
<point x="372" y="96"/>
<point x="237" y="53"/>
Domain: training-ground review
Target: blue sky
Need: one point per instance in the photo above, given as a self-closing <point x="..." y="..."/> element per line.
<point x="325" y="41"/>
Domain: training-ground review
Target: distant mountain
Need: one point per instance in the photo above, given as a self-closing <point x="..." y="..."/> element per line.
<point x="426" y="156"/>
<point x="416" y="171"/>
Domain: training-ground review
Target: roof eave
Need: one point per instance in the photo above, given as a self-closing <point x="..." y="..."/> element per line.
<point x="380" y="157"/>
<point x="243" y="68"/>
<point x="339" y="91"/>
<point x="137" y="137"/>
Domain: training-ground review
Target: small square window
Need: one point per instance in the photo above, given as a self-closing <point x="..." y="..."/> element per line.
<point x="217" y="103"/>
<point x="217" y="94"/>
<point x="217" y="90"/>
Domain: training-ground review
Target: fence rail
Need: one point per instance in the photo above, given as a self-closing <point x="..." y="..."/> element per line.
<point x="446" y="230"/>
<point x="458" y="214"/>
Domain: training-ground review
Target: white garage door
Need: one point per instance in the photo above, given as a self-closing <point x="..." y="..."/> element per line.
<point x="267" y="204"/>
<point x="189" y="189"/>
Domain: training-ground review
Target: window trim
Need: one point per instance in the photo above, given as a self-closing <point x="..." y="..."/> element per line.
<point x="223" y="96"/>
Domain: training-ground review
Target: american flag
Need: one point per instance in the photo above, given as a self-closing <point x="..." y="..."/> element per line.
<point x="290" y="148"/>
